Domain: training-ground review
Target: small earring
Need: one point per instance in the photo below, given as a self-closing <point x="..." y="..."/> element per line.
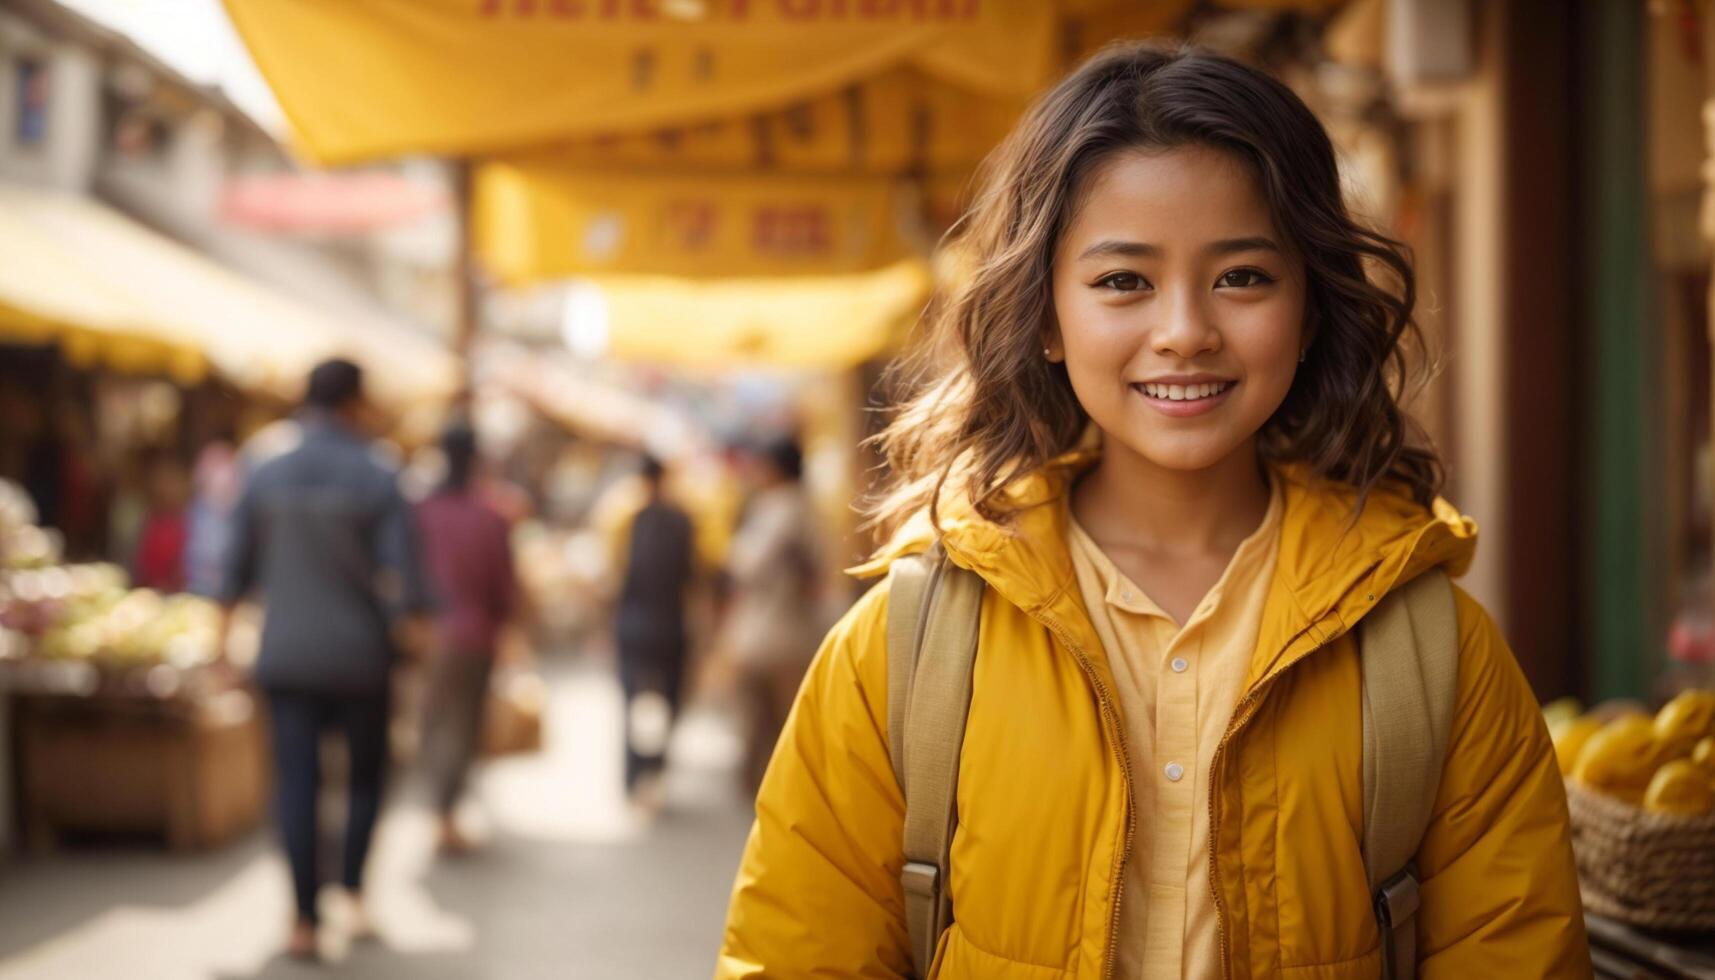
<point x="1303" y="354"/>
<point x="1048" y="352"/>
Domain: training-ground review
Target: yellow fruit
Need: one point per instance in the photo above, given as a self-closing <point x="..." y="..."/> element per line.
<point x="1620" y="758"/>
<point x="1679" y="787"/>
<point x="1703" y="756"/>
<point x="1563" y="710"/>
<point x="1683" y="721"/>
<point x="1570" y="738"/>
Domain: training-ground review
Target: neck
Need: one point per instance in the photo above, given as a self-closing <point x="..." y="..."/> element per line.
<point x="1130" y="501"/>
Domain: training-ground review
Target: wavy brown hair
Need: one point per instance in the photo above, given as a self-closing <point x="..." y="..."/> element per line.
<point x="984" y="407"/>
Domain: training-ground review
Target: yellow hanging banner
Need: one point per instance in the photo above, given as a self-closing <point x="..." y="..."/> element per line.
<point x="361" y="79"/>
<point x="536" y="223"/>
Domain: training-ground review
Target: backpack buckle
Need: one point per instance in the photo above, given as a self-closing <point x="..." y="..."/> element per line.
<point x="1397" y="899"/>
<point x="921" y="879"/>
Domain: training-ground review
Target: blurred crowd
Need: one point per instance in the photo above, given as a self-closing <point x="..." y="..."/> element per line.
<point x="368" y="568"/>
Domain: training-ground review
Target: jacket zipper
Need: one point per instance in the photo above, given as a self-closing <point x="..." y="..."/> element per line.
<point x="1117" y="734"/>
<point x="1241" y="716"/>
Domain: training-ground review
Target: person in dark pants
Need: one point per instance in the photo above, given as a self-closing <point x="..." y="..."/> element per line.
<point x="324" y="535"/>
<point x="651" y="628"/>
<point x="467" y="548"/>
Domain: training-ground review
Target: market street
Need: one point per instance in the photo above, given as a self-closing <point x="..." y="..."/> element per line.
<point x="570" y="884"/>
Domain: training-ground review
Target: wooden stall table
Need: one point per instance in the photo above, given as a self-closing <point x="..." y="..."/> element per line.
<point x="140" y="751"/>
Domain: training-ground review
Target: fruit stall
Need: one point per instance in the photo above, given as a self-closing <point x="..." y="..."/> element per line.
<point x="1641" y="791"/>
<point x="118" y="720"/>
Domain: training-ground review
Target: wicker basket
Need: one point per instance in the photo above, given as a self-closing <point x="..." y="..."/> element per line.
<point x="1649" y="869"/>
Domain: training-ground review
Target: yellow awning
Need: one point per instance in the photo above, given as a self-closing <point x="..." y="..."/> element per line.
<point x="361" y="79"/>
<point x="48" y="295"/>
<point x="110" y="291"/>
<point x="811" y="322"/>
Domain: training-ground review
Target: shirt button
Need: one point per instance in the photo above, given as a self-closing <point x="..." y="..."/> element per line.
<point x="1126" y="596"/>
<point x="1174" y="772"/>
<point x="1179" y="665"/>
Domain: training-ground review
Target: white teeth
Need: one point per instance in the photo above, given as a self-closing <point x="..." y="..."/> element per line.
<point x="1184" y="393"/>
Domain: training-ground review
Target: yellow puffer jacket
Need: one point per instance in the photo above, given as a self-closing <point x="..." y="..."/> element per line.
<point x="1044" y="794"/>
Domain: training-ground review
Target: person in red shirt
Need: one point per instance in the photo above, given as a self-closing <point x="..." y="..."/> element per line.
<point x="160" y="559"/>
<point x="468" y="555"/>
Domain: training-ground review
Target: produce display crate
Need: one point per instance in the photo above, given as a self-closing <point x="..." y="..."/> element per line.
<point x="1652" y="870"/>
<point x="189" y="770"/>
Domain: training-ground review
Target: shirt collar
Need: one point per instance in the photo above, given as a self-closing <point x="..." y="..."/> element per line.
<point x="1122" y="593"/>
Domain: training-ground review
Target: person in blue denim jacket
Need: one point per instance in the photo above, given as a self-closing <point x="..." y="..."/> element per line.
<point x="323" y="535"/>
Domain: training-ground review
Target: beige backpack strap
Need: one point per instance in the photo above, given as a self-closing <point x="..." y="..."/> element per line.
<point x="932" y="615"/>
<point x="908" y="587"/>
<point x="1410" y="663"/>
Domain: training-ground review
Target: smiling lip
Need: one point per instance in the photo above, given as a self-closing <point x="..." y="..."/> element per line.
<point x="1158" y="393"/>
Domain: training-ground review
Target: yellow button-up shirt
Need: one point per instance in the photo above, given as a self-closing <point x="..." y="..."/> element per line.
<point x="1177" y="688"/>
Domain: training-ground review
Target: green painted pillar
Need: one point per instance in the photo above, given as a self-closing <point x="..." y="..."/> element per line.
<point x="1621" y="423"/>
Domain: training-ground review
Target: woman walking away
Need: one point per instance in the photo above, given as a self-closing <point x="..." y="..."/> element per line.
<point x="468" y="553"/>
<point x="1156" y="507"/>
<point x="775" y="564"/>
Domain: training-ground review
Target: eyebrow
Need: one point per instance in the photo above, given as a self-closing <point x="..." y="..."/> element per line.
<point x="1230" y="246"/>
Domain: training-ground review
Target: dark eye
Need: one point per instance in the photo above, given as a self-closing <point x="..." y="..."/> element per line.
<point x="1239" y="278"/>
<point x="1124" y="282"/>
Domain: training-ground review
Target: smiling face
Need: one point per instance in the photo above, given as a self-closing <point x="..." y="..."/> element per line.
<point x="1179" y="308"/>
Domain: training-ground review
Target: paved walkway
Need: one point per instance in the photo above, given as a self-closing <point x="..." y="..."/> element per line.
<point x="570" y="885"/>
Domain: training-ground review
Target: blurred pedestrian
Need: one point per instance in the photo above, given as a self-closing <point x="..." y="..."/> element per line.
<point x="468" y="554"/>
<point x="651" y="632"/>
<point x="159" y="561"/>
<point x="323" y="533"/>
<point x="774" y="573"/>
<point x="218" y="478"/>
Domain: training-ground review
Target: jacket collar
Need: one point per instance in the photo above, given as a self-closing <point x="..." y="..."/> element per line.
<point x="1331" y="570"/>
<point x="321" y="424"/>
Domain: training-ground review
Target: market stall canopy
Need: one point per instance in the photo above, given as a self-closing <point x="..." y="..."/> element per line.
<point x="48" y="295"/>
<point x="807" y="322"/>
<point x="362" y="79"/>
<point x="555" y="98"/>
<point x="112" y="292"/>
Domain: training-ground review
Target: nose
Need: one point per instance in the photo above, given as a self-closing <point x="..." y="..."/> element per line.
<point x="1186" y="328"/>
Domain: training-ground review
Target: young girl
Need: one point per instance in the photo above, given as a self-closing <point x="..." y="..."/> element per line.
<point x="1168" y="439"/>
